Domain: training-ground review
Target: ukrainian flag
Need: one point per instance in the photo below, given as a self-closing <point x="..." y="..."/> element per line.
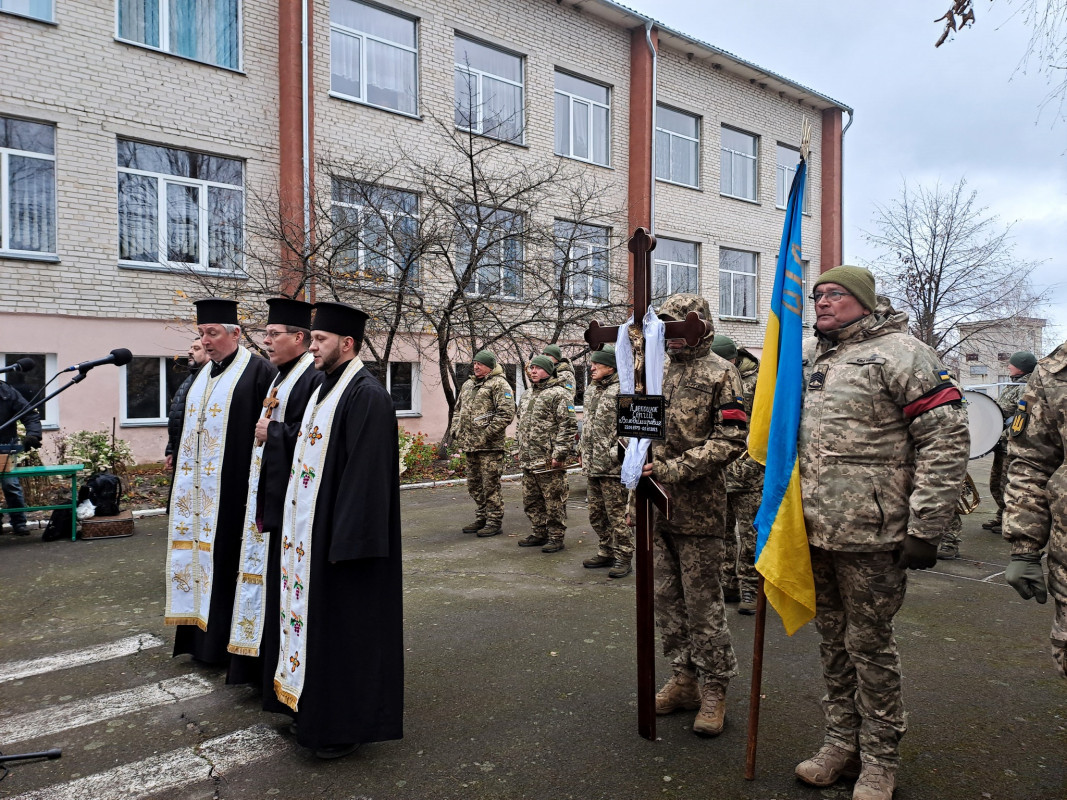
<point x="781" y="541"/>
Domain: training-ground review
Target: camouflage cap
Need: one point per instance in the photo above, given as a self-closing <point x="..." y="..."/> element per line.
<point x="677" y="306"/>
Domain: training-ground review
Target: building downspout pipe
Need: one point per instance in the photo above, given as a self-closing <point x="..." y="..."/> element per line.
<point x="305" y="134"/>
<point x="652" y="154"/>
<point x="851" y="116"/>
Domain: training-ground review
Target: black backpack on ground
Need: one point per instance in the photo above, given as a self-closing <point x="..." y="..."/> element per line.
<point x="58" y="525"/>
<point x="104" y="490"/>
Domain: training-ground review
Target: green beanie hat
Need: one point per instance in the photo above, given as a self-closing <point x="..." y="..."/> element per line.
<point x="1024" y="360"/>
<point x="605" y="356"/>
<point x="485" y="357"/>
<point x="724" y="347"/>
<point x="859" y="281"/>
<point x="545" y="363"/>
<point x="553" y="351"/>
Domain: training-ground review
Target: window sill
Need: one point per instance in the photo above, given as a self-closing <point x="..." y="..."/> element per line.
<point x="692" y="186"/>
<point x="748" y="200"/>
<point x="211" y="273"/>
<point x="13" y="255"/>
<point x="587" y="161"/>
<point x="521" y="144"/>
<point x="752" y="320"/>
<point x="161" y="51"/>
<point x="143" y="423"/>
<point x="349" y="99"/>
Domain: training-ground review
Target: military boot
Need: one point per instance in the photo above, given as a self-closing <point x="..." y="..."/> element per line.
<point x="747" y="605"/>
<point x="995" y="523"/>
<point x="475" y="526"/>
<point x="491" y="529"/>
<point x="712" y="714"/>
<point x="829" y="764"/>
<point x="597" y="561"/>
<point x="553" y="545"/>
<point x="621" y="568"/>
<point x="535" y="539"/>
<point x="946" y="551"/>
<point x="680" y="691"/>
<point x="876" y="782"/>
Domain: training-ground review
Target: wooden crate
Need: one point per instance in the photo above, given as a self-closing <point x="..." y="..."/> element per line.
<point x="107" y="527"/>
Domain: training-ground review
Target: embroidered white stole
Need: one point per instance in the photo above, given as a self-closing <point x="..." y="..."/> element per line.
<point x="300" y="497"/>
<point x="250" y="601"/>
<point x="194" y="506"/>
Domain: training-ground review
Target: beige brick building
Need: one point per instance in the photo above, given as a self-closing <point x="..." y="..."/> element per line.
<point x="137" y="145"/>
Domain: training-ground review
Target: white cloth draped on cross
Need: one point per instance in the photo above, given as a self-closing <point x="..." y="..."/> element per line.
<point x="653" y="329"/>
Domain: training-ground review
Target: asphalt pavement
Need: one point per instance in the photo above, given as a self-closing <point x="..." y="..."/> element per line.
<point x="520" y="682"/>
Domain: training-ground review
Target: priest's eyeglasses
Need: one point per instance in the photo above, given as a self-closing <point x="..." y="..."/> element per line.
<point x="269" y="334"/>
<point x="834" y="296"/>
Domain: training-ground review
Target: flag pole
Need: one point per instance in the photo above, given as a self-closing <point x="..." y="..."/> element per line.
<point x="757" y="682"/>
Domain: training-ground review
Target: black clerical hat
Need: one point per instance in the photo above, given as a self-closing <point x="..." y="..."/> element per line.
<point x="216" y="311"/>
<point x="294" y="313"/>
<point x="339" y="318"/>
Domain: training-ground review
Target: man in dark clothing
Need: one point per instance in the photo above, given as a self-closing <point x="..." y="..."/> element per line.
<point x="176" y="416"/>
<point x="341" y="660"/>
<point x="211" y="485"/>
<point x="11" y="403"/>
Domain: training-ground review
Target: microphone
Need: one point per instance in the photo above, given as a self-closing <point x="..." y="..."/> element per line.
<point x="118" y="357"/>
<point x="22" y="365"/>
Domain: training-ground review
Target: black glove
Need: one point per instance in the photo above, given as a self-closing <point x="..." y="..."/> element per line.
<point x="31" y="442"/>
<point x="917" y="554"/>
<point x="1025" y="576"/>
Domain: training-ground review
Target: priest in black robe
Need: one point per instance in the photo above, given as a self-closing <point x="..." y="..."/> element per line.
<point x="353" y="689"/>
<point x="287" y="335"/>
<point x="220" y="333"/>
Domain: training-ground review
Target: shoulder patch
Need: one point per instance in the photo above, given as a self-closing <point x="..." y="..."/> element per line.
<point x="570" y="408"/>
<point x="1018" y="422"/>
<point x="507" y="395"/>
<point x="862" y="360"/>
<point x="943" y="375"/>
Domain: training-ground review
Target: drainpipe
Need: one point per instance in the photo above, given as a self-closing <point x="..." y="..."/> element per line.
<point x="844" y="130"/>
<point x="652" y="160"/>
<point x="305" y="135"/>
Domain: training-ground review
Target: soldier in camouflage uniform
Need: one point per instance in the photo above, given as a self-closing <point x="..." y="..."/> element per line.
<point x="564" y="368"/>
<point x="744" y="492"/>
<point x="545" y="435"/>
<point x="1034" y="516"/>
<point x="486" y="407"/>
<point x="602" y="466"/>
<point x="1020" y="366"/>
<point x="706" y="428"/>
<point x="882" y="452"/>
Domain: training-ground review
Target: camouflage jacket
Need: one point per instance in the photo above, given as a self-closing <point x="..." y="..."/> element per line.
<point x="883" y="441"/>
<point x="746" y="474"/>
<point x="1035" y="513"/>
<point x="486" y="406"/>
<point x="1009" y="402"/>
<point x="706" y="430"/>
<point x="546" y="425"/>
<point x="565" y="372"/>
<point x="599" y="447"/>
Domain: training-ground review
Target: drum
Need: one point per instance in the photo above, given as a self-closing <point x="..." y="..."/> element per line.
<point x="985" y="421"/>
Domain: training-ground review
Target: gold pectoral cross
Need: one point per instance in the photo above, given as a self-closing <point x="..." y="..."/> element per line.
<point x="271" y="402"/>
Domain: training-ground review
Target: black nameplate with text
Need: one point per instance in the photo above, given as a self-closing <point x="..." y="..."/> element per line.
<point x="641" y="416"/>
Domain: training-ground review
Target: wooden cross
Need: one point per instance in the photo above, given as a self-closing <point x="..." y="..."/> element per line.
<point x="649" y="493"/>
<point x="271" y="403"/>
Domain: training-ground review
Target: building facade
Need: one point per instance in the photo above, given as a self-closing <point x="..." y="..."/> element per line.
<point x="987" y="346"/>
<point x="145" y="144"/>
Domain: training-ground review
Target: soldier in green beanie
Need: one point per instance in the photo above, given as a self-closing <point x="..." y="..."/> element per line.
<point x="564" y="370"/>
<point x="1020" y="366"/>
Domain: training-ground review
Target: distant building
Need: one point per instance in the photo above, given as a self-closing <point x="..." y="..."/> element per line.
<point x="135" y="135"/>
<point x="987" y="346"/>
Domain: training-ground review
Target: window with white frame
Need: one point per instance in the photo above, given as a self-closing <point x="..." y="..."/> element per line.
<point x="489" y="90"/>
<point x="31" y="383"/>
<point x="37" y="9"/>
<point x="490" y="246"/>
<point x="738" y="169"/>
<point x="27" y="187"/>
<point x="148" y="384"/>
<point x="374" y="230"/>
<point x="788" y="163"/>
<point x="401" y="380"/>
<point x="179" y="209"/>
<point x="582" y="262"/>
<point x="737" y="283"/>
<point x="208" y="31"/>
<point x="583" y="110"/>
<point x="677" y="146"/>
<point x="373" y="56"/>
<point x="674" y="268"/>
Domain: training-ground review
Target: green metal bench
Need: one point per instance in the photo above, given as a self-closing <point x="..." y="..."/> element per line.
<point x="52" y="471"/>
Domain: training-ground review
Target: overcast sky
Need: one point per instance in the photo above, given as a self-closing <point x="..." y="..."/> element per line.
<point x="964" y="110"/>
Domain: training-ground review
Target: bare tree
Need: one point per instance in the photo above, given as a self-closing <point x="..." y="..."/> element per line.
<point x="947" y="262"/>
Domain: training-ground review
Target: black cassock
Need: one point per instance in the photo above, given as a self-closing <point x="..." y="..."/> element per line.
<point x="243" y="412"/>
<point x="354" y="681"/>
<point x="277" y="459"/>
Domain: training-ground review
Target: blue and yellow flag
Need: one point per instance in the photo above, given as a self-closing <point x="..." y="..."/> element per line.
<point x="781" y="541"/>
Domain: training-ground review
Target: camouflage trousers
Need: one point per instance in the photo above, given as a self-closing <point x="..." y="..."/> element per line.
<point x="953" y="533"/>
<point x="690" y="610"/>
<point x="607" y="514"/>
<point x="544" y="499"/>
<point x="856" y="597"/>
<point x="739" y="565"/>
<point x="1057" y="587"/>
<point x="484" y="468"/>
<point x="998" y="477"/>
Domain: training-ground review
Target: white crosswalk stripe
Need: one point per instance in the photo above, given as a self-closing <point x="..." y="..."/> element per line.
<point x="97" y="709"/>
<point x="142" y="779"/>
<point x="77" y="658"/>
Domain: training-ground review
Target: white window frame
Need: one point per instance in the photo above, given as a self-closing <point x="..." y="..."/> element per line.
<point x="164" y="36"/>
<point x="726" y="285"/>
<point x="393" y="272"/>
<point x="50" y="412"/>
<point x="344" y="30"/>
<point x="477" y="75"/>
<point x="572" y="99"/>
<point x="661" y="263"/>
<point x="472" y="289"/>
<point x="783" y="179"/>
<point x="27" y="15"/>
<point x="586" y="273"/>
<point x="670" y="156"/>
<point x="733" y="155"/>
<point x="164" y="407"/>
<point x="5" y="194"/>
<point x="162" y="181"/>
